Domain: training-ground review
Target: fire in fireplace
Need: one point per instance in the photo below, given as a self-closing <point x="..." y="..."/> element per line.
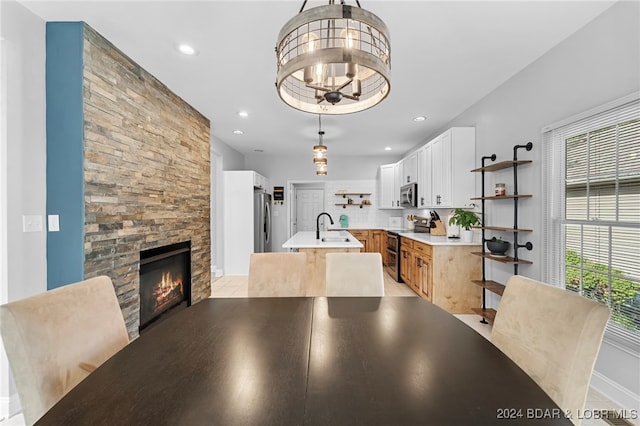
<point x="165" y="281"/>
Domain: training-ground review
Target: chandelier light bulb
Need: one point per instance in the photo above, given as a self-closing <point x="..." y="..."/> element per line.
<point x="349" y="38"/>
<point x="310" y="42"/>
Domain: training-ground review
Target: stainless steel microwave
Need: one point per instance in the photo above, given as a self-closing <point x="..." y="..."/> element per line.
<point x="409" y="195"/>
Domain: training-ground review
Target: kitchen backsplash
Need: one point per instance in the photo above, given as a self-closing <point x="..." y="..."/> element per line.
<point x="369" y="216"/>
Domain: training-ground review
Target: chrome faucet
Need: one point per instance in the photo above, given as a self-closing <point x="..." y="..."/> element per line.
<point x="318" y="223"/>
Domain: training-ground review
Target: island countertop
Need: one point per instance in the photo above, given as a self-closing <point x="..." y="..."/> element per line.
<point x="307" y="239"/>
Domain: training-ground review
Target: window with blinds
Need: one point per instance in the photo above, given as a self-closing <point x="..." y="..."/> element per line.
<point x="592" y="211"/>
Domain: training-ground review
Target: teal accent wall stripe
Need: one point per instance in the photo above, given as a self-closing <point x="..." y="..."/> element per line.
<point x="65" y="153"/>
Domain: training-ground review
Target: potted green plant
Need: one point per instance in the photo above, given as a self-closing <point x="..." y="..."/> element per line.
<point x="465" y="219"/>
<point x="497" y="246"/>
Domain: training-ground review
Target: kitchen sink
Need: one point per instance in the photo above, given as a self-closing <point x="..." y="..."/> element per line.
<point x="335" y="240"/>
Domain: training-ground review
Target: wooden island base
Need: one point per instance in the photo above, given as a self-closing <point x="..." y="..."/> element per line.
<point x="316" y="276"/>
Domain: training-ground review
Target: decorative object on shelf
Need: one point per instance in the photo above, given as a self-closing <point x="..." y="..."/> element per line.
<point x="320" y="151"/>
<point x="333" y="59"/>
<point x="465" y="219"/>
<point x="497" y="246"/>
<point x="350" y="201"/>
<point x="488" y="314"/>
<point x="501" y="190"/>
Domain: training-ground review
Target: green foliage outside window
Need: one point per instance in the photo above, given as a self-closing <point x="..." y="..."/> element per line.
<point x="625" y="293"/>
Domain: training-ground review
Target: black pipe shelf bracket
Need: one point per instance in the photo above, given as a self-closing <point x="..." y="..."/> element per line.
<point x="489" y="314"/>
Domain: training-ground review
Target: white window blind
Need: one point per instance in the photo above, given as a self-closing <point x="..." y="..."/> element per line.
<point x="591" y="214"/>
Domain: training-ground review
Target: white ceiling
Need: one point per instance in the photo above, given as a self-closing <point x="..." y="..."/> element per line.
<point x="446" y="55"/>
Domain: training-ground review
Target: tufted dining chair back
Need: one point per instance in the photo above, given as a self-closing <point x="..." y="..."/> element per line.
<point x="277" y="275"/>
<point x="354" y="275"/>
<point x="554" y="335"/>
<point x="55" y="339"/>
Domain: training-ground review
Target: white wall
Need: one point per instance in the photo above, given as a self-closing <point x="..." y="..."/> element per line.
<point x="23" y="46"/>
<point x="597" y="64"/>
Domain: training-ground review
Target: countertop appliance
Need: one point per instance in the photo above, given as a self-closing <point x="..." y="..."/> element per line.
<point x="409" y="195"/>
<point x="261" y="221"/>
<point x="421" y="224"/>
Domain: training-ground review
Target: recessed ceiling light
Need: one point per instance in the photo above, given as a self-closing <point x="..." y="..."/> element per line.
<point x="186" y="49"/>
<point x="419" y="118"/>
<point x="238" y="132"/>
<point x="243" y="114"/>
<point x="387" y="148"/>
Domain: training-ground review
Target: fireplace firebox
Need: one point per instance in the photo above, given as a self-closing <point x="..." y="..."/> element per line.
<point x="165" y="281"/>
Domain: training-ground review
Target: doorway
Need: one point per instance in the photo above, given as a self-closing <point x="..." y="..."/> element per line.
<point x="307" y="203"/>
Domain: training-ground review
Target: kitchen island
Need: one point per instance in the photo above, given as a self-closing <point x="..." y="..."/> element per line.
<point x="317" y="249"/>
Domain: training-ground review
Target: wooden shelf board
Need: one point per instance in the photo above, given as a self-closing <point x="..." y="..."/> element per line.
<point x="344" y="205"/>
<point x="492" y="286"/>
<point x="506" y="259"/>
<point x="344" y="194"/>
<point x="488" y="314"/>
<point x="503" y="197"/>
<point x="501" y="165"/>
<point x="500" y="228"/>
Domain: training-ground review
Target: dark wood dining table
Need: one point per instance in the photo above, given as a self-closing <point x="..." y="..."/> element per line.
<point x="308" y="361"/>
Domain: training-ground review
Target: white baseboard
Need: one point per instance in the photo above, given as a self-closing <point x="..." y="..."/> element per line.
<point x="618" y="394"/>
<point x="4" y="408"/>
<point x="9" y="407"/>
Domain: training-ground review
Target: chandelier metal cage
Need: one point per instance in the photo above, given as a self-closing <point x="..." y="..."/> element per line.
<point x="333" y="59"/>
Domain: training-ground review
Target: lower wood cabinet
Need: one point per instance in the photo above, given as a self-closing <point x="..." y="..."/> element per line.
<point x="440" y="274"/>
<point x="364" y="236"/>
<point x="373" y="240"/>
<point x="407" y="264"/>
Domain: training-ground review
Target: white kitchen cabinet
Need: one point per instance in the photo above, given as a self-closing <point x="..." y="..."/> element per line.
<point x="409" y="169"/>
<point x="424" y="177"/>
<point x="452" y="157"/>
<point x="389" y="176"/>
<point x="261" y="182"/>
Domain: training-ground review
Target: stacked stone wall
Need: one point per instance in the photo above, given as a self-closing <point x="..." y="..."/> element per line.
<point x="146" y="173"/>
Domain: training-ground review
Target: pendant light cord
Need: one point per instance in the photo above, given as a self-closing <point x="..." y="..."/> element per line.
<point x="320" y="132"/>
<point x="304" y="3"/>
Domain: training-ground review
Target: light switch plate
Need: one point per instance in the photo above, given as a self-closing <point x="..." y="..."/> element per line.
<point x="31" y="223"/>
<point x="54" y="222"/>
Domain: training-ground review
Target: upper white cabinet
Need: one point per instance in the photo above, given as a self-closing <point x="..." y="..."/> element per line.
<point x="389" y="177"/>
<point x="409" y="169"/>
<point x="452" y="157"/>
<point x="261" y="182"/>
<point x="424" y="177"/>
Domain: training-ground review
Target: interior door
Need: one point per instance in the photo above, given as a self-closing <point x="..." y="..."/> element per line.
<point x="309" y="204"/>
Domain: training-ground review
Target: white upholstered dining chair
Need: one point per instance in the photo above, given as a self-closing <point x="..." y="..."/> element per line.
<point x="554" y="335"/>
<point x="277" y="275"/>
<point x="354" y="275"/>
<point x="55" y="339"/>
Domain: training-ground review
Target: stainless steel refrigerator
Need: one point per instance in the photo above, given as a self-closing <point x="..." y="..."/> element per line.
<point x="261" y="221"/>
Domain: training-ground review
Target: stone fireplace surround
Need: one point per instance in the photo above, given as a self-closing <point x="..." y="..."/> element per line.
<point x="145" y="168"/>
